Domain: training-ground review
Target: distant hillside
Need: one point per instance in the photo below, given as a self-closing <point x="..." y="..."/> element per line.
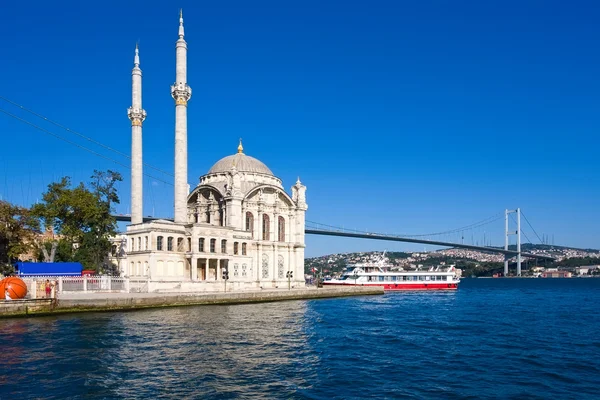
<point x="472" y="262"/>
<point x="527" y="247"/>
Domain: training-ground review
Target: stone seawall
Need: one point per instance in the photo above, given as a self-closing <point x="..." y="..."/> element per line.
<point x="135" y="301"/>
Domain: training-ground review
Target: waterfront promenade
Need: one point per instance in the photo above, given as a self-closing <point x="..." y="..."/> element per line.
<point x="90" y="301"/>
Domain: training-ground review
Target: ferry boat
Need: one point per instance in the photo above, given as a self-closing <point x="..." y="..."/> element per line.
<point x="379" y="274"/>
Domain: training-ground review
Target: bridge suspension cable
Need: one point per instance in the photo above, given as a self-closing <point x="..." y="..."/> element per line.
<point x="522" y="231"/>
<point x="531" y="226"/>
<point x="478" y="224"/>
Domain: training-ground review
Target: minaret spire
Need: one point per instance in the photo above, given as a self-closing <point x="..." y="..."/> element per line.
<point x="181" y="23"/>
<point x="181" y="93"/>
<point x="137" y="115"/>
<point x="136" y="59"/>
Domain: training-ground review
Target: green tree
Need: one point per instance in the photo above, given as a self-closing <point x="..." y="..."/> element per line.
<point x="82" y="217"/>
<point x="18" y="231"/>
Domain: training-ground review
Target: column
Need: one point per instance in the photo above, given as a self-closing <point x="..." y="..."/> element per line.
<point x="194" y="268"/>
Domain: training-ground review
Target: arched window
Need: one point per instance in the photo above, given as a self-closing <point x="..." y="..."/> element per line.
<point x="180" y="244"/>
<point x="159" y="243"/>
<point x="235" y="247"/>
<point x="170" y="243"/>
<point x="249" y="222"/>
<point x="213" y="244"/>
<point x="281" y="229"/>
<point x="223" y="246"/>
<point x="265" y="227"/>
<point x="243" y="249"/>
<point x="201" y="245"/>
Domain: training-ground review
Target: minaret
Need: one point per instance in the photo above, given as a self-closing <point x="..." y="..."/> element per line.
<point x="181" y="92"/>
<point x="137" y="115"/>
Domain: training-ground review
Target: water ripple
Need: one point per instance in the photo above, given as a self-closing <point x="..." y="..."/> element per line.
<point x="491" y="339"/>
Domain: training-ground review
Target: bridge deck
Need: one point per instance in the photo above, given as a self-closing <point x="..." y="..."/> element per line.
<point x="374" y="236"/>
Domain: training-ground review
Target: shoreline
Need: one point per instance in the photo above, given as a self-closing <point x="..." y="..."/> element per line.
<point x="105" y="302"/>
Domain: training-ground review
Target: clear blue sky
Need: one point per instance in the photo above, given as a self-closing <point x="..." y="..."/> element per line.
<point x="404" y="117"/>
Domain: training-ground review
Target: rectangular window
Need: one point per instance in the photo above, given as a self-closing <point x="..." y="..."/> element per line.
<point x="169" y="243"/>
<point x="139" y="244"/>
<point x="235" y="247"/>
<point x="146" y="243"/>
<point x="132" y="244"/>
<point x="223" y="246"/>
<point x="159" y="243"/>
<point x="180" y="244"/>
<point x="243" y="249"/>
<point x="213" y="245"/>
<point x="201" y="245"/>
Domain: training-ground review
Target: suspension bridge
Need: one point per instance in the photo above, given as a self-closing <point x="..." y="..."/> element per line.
<point x="315" y="228"/>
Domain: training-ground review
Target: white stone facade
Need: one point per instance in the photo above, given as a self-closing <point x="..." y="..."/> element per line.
<point x="238" y="219"/>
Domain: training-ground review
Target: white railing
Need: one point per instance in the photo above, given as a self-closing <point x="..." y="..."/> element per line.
<point x="88" y="283"/>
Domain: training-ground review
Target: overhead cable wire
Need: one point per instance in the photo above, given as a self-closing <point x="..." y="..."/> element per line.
<point x="80" y="134"/>
<point x="78" y="145"/>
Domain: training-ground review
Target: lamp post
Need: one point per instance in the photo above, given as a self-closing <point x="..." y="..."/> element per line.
<point x="289" y="278"/>
<point x="225" y="278"/>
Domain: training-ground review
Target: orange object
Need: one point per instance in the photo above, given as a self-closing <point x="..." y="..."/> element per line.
<point x="17" y="289"/>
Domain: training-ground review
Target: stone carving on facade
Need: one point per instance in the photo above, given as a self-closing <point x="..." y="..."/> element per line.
<point x="265" y="266"/>
<point x="136" y="115"/>
<point x="181" y="93"/>
<point x="280" y="267"/>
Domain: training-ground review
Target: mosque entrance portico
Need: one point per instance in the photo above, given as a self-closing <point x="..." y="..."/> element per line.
<point x="209" y="269"/>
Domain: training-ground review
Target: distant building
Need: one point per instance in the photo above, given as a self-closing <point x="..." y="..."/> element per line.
<point x="585" y="269"/>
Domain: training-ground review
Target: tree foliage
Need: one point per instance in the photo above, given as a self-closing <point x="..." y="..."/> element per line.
<point x="82" y="217"/>
<point x="18" y="231"/>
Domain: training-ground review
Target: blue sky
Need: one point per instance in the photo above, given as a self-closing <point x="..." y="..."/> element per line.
<point x="400" y="117"/>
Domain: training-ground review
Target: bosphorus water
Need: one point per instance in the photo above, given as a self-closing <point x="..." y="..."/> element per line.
<point x="492" y="338"/>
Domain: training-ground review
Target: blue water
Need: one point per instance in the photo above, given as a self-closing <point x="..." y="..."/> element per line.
<point x="492" y="338"/>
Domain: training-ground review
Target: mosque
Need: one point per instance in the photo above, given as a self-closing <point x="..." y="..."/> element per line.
<point x="238" y="223"/>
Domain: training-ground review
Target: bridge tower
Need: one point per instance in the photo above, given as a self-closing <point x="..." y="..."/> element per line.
<point x="507" y="233"/>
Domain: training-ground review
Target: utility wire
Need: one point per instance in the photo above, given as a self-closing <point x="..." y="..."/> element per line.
<point x="80" y="134"/>
<point x="531" y="226"/>
<point x="77" y="145"/>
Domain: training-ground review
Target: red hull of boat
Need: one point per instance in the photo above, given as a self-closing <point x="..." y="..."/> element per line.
<point x="394" y="286"/>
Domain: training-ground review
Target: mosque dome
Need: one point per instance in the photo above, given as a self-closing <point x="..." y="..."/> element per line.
<point x="242" y="162"/>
